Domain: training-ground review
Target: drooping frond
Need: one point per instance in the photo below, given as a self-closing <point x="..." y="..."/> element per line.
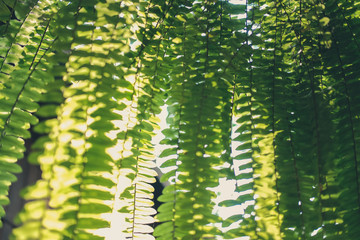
<point x="199" y="115"/>
<point x="288" y="86"/>
<point x="24" y="73"/>
<point x="263" y="94"/>
<point x="100" y="140"/>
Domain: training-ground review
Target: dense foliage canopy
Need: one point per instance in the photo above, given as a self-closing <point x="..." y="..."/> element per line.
<point x="264" y="92"/>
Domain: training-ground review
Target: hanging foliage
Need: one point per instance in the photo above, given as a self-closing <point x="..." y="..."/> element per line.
<point x="262" y="93"/>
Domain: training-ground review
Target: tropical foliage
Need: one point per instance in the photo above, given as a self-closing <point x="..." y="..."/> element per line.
<point x="262" y="93"/>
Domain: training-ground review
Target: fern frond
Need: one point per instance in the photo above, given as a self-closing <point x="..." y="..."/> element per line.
<point x="263" y="93"/>
<point x="25" y="81"/>
<point x="193" y="133"/>
<point x="343" y="77"/>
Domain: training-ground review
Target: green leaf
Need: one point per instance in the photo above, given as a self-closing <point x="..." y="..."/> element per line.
<point x="92" y="223"/>
<point x="9" y="167"/>
<point x="163" y="229"/>
<point x="229" y="203"/>
<point x="94" y="208"/>
<point x="4" y="12"/>
<point x="168" y="152"/>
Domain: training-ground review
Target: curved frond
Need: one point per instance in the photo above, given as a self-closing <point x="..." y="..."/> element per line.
<point x="260" y="94"/>
<point x="24" y="76"/>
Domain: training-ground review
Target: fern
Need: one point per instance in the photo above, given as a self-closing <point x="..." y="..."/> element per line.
<point x="22" y="84"/>
<point x="264" y="93"/>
